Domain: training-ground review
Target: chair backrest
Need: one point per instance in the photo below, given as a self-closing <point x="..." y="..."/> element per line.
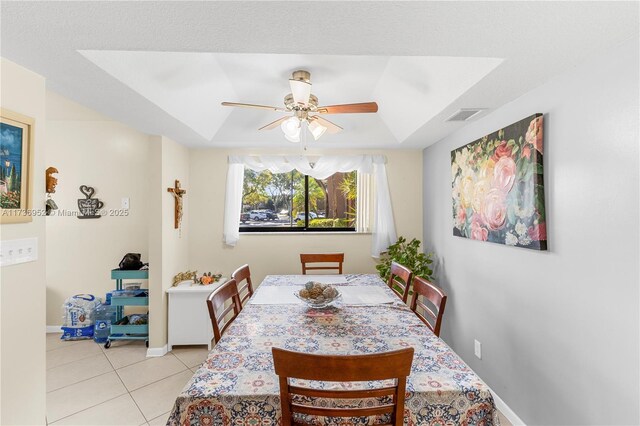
<point x="243" y="274"/>
<point x="435" y="295"/>
<point x="222" y="318"/>
<point x="400" y="280"/>
<point x="321" y="258"/>
<point x="342" y="368"/>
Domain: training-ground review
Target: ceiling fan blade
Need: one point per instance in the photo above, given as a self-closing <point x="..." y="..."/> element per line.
<point x="331" y="127"/>
<point x="274" y="124"/>
<point x="236" y="104"/>
<point x="301" y="90"/>
<point x="348" y="108"/>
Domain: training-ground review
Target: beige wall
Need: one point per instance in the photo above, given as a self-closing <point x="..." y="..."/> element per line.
<point x="22" y="287"/>
<point x="90" y="149"/>
<point x="168" y="247"/>
<point x="278" y="253"/>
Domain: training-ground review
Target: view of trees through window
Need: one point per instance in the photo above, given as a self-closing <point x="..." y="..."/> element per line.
<point x="296" y="201"/>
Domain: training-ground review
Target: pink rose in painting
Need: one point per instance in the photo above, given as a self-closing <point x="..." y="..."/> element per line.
<point x="477" y="231"/>
<point x="501" y="151"/>
<point x="538" y="232"/>
<point x="504" y="174"/>
<point x="526" y="152"/>
<point x="494" y="211"/>
<point x="461" y="216"/>
<point x="534" y="134"/>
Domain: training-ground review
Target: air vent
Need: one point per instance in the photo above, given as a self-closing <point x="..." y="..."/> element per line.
<point x="465" y="114"/>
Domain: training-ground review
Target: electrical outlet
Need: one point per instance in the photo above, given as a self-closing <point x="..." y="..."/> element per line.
<point x="125" y="203"/>
<point x="477" y="349"/>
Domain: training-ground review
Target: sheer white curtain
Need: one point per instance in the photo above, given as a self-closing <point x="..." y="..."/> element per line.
<point x="383" y="230"/>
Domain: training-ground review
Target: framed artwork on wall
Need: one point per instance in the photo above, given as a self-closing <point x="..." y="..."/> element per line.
<point x="16" y="163"/>
<point x="498" y="187"/>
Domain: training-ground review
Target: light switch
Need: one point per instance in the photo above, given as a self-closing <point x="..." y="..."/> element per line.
<point x="13" y="252"/>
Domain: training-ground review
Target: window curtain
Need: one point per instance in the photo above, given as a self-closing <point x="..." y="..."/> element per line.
<point x="383" y="230"/>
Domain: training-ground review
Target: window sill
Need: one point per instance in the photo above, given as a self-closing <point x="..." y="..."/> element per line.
<point x="243" y="233"/>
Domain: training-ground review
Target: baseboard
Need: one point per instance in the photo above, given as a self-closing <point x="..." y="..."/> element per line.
<point x="508" y="412"/>
<point x="153" y="352"/>
<point x="54" y="329"/>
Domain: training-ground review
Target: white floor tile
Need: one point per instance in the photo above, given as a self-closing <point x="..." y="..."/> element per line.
<point x="123" y="353"/>
<point x="191" y="356"/>
<point x="160" y="421"/>
<point x="83" y="369"/>
<point x="121" y="411"/>
<point x="150" y="370"/>
<point x="159" y="397"/>
<point x="54" y="342"/>
<point x="80" y="396"/>
<point x="75" y="352"/>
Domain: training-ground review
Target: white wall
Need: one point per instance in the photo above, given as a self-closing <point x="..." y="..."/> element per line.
<point x="559" y="329"/>
<point x="90" y="149"/>
<point x="22" y="287"/>
<point x="168" y="247"/>
<point x="279" y="253"/>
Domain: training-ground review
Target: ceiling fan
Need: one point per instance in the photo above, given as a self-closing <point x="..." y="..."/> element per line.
<point x="304" y="106"/>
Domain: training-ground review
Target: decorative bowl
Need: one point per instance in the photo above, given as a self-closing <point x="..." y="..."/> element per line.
<point x="318" y="305"/>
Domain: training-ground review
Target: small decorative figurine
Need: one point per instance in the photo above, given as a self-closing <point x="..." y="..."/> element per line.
<point x="51" y="180"/>
<point x="51" y="183"/>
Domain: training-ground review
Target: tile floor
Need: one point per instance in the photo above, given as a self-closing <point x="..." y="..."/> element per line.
<point x="89" y="385"/>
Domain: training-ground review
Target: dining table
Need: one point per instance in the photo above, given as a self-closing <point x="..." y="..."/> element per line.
<point x="237" y="384"/>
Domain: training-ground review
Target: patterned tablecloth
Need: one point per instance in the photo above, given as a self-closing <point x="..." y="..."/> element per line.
<point x="236" y="385"/>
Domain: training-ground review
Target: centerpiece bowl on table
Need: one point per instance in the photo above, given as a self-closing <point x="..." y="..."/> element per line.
<point x="318" y="295"/>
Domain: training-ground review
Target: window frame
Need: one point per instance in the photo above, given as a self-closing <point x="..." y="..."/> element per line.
<point x="297" y="229"/>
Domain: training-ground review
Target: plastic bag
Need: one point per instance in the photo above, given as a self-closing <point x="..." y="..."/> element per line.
<point x="131" y="261"/>
<point x="78" y="317"/>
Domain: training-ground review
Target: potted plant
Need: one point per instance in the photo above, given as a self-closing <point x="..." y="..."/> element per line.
<point x="407" y="254"/>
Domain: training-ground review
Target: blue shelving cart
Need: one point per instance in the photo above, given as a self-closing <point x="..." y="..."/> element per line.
<point x="129" y="331"/>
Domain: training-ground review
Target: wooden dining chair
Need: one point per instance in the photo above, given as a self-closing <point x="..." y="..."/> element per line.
<point x="400" y="280"/>
<point x="222" y="318"/>
<point x="243" y="274"/>
<point x="336" y="258"/>
<point x="342" y="368"/>
<point x="435" y="295"/>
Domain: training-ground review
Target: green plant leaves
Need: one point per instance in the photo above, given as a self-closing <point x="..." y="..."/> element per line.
<point x="406" y="254"/>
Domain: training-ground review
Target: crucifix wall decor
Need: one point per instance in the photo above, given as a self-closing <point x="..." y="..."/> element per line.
<point x="177" y="195"/>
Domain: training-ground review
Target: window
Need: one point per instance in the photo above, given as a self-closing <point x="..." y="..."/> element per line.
<point x="294" y="202"/>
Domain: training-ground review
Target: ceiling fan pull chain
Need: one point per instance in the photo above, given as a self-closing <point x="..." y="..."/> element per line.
<point x="304" y="136"/>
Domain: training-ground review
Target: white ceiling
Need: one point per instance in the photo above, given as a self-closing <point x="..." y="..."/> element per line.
<point x="164" y="67"/>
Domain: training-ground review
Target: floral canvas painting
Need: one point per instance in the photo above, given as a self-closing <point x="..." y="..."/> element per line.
<point x="498" y="190"/>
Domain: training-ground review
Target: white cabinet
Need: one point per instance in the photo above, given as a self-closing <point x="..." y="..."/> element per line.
<point x="189" y="322"/>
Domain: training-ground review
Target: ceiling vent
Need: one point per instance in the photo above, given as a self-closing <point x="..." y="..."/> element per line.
<point x="465" y="114"/>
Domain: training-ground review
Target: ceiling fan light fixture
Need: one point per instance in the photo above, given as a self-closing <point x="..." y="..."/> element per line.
<point x="295" y="138"/>
<point x="291" y="126"/>
<point x="316" y="129"/>
<point x="301" y="90"/>
<point x="291" y="129"/>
